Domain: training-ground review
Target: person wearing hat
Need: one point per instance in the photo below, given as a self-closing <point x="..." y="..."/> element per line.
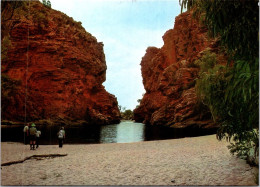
<point x="33" y="132"/>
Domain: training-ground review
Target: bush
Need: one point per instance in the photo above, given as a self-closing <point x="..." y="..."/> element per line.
<point x="211" y="83"/>
<point x="248" y="148"/>
<point x="231" y="94"/>
<point x="127" y="114"/>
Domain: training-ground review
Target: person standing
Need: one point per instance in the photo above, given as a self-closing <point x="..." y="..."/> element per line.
<point x="38" y="134"/>
<point x="33" y="131"/>
<point x="26" y="133"/>
<point x="61" y="136"/>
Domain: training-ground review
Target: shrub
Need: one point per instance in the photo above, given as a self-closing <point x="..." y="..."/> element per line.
<point x="248" y="148"/>
<point x="232" y="97"/>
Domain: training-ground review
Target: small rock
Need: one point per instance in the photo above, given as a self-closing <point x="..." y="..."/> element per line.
<point x="173" y="181"/>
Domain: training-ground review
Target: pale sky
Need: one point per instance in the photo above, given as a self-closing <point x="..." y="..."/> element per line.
<point x="127" y="28"/>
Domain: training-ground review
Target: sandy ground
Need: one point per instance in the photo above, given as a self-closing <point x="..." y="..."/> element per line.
<point x="189" y="161"/>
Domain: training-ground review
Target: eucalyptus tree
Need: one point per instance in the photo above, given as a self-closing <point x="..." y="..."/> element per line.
<point x="234" y="101"/>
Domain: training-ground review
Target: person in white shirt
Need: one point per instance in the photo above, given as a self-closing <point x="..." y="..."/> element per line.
<point x="61" y="136"/>
<point x="26" y="133"/>
<point x="38" y="134"/>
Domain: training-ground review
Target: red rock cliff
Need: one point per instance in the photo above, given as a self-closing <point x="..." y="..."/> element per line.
<point x="169" y="77"/>
<point x="66" y="69"/>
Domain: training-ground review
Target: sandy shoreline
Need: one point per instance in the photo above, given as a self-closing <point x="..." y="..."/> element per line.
<point x="189" y="161"/>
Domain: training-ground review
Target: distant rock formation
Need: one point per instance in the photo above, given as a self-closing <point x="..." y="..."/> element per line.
<point x="66" y="69"/>
<point x="169" y="77"/>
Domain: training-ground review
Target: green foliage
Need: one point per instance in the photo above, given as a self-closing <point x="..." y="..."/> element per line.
<point x="247" y="149"/>
<point x="127" y="114"/>
<point x="206" y="62"/>
<point x="46" y="3"/>
<point x="6" y="43"/>
<point x="243" y="93"/>
<point x="211" y="83"/>
<point x="235" y="22"/>
<point x="233" y="94"/>
<point x="186" y="4"/>
<point x="49" y="3"/>
<point x="122" y="109"/>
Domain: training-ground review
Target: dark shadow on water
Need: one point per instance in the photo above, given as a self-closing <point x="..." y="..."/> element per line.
<point x="125" y="132"/>
<point x="161" y="132"/>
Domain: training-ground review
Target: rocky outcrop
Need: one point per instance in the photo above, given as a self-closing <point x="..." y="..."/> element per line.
<point x="169" y="75"/>
<point x="58" y="69"/>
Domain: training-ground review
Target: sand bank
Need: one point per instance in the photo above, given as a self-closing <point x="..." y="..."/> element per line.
<point x="189" y="161"/>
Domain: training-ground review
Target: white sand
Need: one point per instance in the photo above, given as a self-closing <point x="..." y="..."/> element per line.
<point x="189" y="161"/>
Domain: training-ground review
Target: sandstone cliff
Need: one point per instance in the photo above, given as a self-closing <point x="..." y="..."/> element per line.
<point x="53" y="68"/>
<point x="169" y="75"/>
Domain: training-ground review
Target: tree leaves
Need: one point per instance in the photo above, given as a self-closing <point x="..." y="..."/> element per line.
<point x="233" y="96"/>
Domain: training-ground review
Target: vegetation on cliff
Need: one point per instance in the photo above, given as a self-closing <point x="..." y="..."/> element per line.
<point x="231" y="92"/>
<point x="46" y="3"/>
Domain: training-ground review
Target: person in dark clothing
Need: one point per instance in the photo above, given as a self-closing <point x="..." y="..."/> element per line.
<point x="61" y="136"/>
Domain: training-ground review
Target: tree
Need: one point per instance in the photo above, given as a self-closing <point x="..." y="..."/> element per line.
<point x="49" y="3"/>
<point x="186" y="4"/>
<point x="119" y="107"/>
<point x="127" y="114"/>
<point x="236" y="105"/>
<point x="46" y="3"/>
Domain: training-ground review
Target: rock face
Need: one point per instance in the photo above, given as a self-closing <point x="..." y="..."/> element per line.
<point x="169" y="77"/>
<point x="59" y="69"/>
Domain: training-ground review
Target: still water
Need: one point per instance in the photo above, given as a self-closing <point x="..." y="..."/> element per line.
<point x="125" y="132"/>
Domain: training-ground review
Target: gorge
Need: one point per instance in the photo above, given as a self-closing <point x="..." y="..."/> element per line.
<point x="197" y="122"/>
<point x="53" y="70"/>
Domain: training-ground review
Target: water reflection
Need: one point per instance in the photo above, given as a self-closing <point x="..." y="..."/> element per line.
<point x="124" y="132"/>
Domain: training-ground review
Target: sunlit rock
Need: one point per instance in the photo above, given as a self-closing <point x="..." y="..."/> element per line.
<point x="169" y="76"/>
<point x="60" y="68"/>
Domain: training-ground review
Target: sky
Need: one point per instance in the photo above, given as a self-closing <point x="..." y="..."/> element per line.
<point x="127" y="28"/>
